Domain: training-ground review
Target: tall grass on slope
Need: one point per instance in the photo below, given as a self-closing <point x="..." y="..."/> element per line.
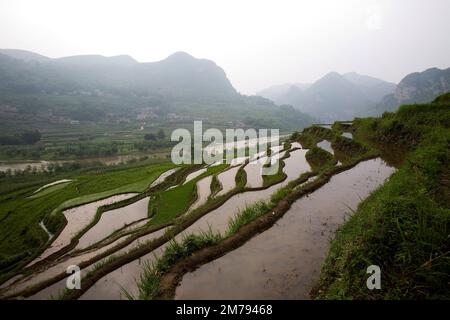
<point x="247" y="215"/>
<point x="403" y="227"/>
<point x="148" y="284"/>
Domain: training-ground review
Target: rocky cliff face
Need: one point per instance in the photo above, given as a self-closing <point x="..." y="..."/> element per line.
<point x="417" y="87"/>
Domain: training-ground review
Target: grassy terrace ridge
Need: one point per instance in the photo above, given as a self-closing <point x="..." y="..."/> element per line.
<point x="279" y="176"/>
<point x="404" y="226"/>
<point x="320" y="159"/>
<point x="167" y="205"/>
<point x="22" y="238"/>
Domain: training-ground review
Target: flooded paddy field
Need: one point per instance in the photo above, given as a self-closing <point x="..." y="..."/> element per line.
<point x="111" y="285"/>
<point x="284" y="261"/>
<point x="297" y="243"/>
<point x="77" y="219"/>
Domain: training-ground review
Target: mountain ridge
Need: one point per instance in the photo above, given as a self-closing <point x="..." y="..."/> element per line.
<point x="171" y="77"/>
<point x="334" y="96"/>
<point x="120" y="89"/>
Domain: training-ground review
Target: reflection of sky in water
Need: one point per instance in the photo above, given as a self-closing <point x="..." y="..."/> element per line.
<point x="326" y="145"/>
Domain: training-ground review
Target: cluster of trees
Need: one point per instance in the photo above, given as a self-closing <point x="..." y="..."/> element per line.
<point x="14" y="152"/>
<point x="153" y="141"/>
<point x="86" y="150"/>
<point x="160" y="135"/>
<point x="23" y="138"/>
<point x="144" y="146"/>
<point x="85" y="147"/>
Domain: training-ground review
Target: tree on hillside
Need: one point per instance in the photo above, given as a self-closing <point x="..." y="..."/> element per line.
<point x="161" y="135"/>
<point x="31" y="137"/>
<point x="150" y="137"/>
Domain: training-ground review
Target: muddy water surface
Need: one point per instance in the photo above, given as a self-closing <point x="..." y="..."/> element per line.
<point x="348" y="135"/>
<point x="77" y="219"/>
<point x="284" y="261"/>
<point x="163" y="177"/>
<point x="325" y="145"/>
<point x="228" y="180"/>
<point x="60" y="267"/>
<point x="217" y="220"/>
<point x="113" y="220"/>
<point x="253" y="171"/>
<point x="194" y="175"/>
<point x="203" y="192"/>
<point x="110" y="286"/>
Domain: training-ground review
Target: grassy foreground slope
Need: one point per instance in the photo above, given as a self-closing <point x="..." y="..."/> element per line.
<point x="403" y="227"/>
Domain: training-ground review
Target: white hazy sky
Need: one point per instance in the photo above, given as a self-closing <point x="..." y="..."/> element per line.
<point x="258" y="43"/>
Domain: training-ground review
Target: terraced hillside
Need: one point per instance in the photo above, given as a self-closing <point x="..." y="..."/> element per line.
<point x="378" y="187"/>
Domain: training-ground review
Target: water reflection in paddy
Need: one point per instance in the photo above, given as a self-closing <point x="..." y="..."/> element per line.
<point x="347" y="135"/>
<point x="325" y="145"/>
<point x="203" y="192"/>
<point x="228" y="180"/>
<point x="253" y="171"/>
<point x="113" y="220"/>
<point x="110" y="286"/>
<point x="163" y="177"/>
<point x="194" y="175"/>
<point x="77" y="219"/>
<point x="60" y="267"/>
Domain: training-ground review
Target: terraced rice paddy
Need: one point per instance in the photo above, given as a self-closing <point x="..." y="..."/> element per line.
<point x="284" y="262"/>
<point x="134" y="221"/>
<point x="77" y="219"/>
<point x="114" y="220"/>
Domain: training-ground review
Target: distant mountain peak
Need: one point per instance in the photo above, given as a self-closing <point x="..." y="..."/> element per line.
<point x="180" y="77"/>
<point x="180" y="55"/>
<point x="331" y="78"/>
<point x="334" y="96"/>
<point x="24" y="55"/>
<point x="89" y="59"/>
<point x="124" y="58"/>
<point x="332" y="75"/>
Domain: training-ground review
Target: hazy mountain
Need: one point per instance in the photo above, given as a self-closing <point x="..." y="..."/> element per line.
<point x="96" y="60"/>
<point x="335" y="96"/>
<point x="279" y="92"/>
<point x="417" y="87"/>
<point x="24" y="55"/>
<point x="180" y="76"/>
<point x="98" y="88"/>
<point x="373" y="88"/>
